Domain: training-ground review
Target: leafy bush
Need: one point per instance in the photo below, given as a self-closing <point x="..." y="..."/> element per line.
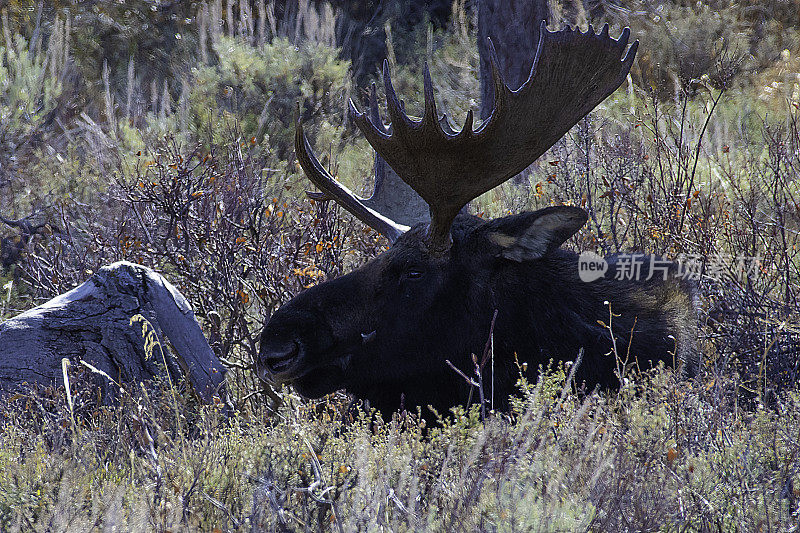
<point x="34" y="84"/>
<point x="260" y="88"/>
<point x="682" y="41"/>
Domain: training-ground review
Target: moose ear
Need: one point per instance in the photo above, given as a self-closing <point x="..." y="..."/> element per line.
<point x="529" y="236"/>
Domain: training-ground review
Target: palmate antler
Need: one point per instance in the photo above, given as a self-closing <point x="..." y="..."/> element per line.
<point x="571" y="74"/>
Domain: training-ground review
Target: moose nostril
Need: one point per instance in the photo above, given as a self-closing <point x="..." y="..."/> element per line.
<point x="280" y="361"/>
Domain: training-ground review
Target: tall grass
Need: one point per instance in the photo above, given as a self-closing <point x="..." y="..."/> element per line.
<point x="662" y="454"/>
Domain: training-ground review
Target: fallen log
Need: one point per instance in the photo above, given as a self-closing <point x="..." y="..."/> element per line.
<point x="99" y="323"/>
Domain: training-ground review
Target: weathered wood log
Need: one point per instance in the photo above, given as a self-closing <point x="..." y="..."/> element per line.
<point x="92" y="323"/>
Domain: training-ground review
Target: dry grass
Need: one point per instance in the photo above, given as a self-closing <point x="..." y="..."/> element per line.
<point x="660" y="455"/>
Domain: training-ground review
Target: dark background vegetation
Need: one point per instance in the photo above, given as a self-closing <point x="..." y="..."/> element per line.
<point x="161" y="133"/>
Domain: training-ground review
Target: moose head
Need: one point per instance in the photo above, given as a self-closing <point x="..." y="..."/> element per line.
<point x="390" y="331"/>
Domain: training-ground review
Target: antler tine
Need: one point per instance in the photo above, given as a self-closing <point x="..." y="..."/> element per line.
<point x="375" y="112"/>
<point x="572" y="72"/>
<point x="500" y="87"/>
<point x="394" y="106"/>
<point x="430" y="120"/>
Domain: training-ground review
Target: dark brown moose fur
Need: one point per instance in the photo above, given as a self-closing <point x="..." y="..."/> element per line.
<point x="425" y="310"/>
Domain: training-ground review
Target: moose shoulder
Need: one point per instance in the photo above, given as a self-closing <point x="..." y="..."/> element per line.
<point x="386" y="331"/>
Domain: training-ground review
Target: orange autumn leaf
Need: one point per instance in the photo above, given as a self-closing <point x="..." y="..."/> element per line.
<point x="672" y="454"/>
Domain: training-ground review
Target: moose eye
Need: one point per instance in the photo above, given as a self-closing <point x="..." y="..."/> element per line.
<point x="414" y="273"/>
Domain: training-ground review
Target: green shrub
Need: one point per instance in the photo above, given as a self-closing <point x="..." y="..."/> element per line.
<point x="260" y="87"/>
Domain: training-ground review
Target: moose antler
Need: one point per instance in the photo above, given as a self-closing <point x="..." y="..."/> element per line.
<point x="571" y="74"/>
<point x="392" y="199"/>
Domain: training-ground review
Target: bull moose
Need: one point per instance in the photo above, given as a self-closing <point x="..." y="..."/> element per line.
<point x="386" y="331"/>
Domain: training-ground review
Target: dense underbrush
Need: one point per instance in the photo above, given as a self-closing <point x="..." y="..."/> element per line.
<point x="659" y="455"/>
